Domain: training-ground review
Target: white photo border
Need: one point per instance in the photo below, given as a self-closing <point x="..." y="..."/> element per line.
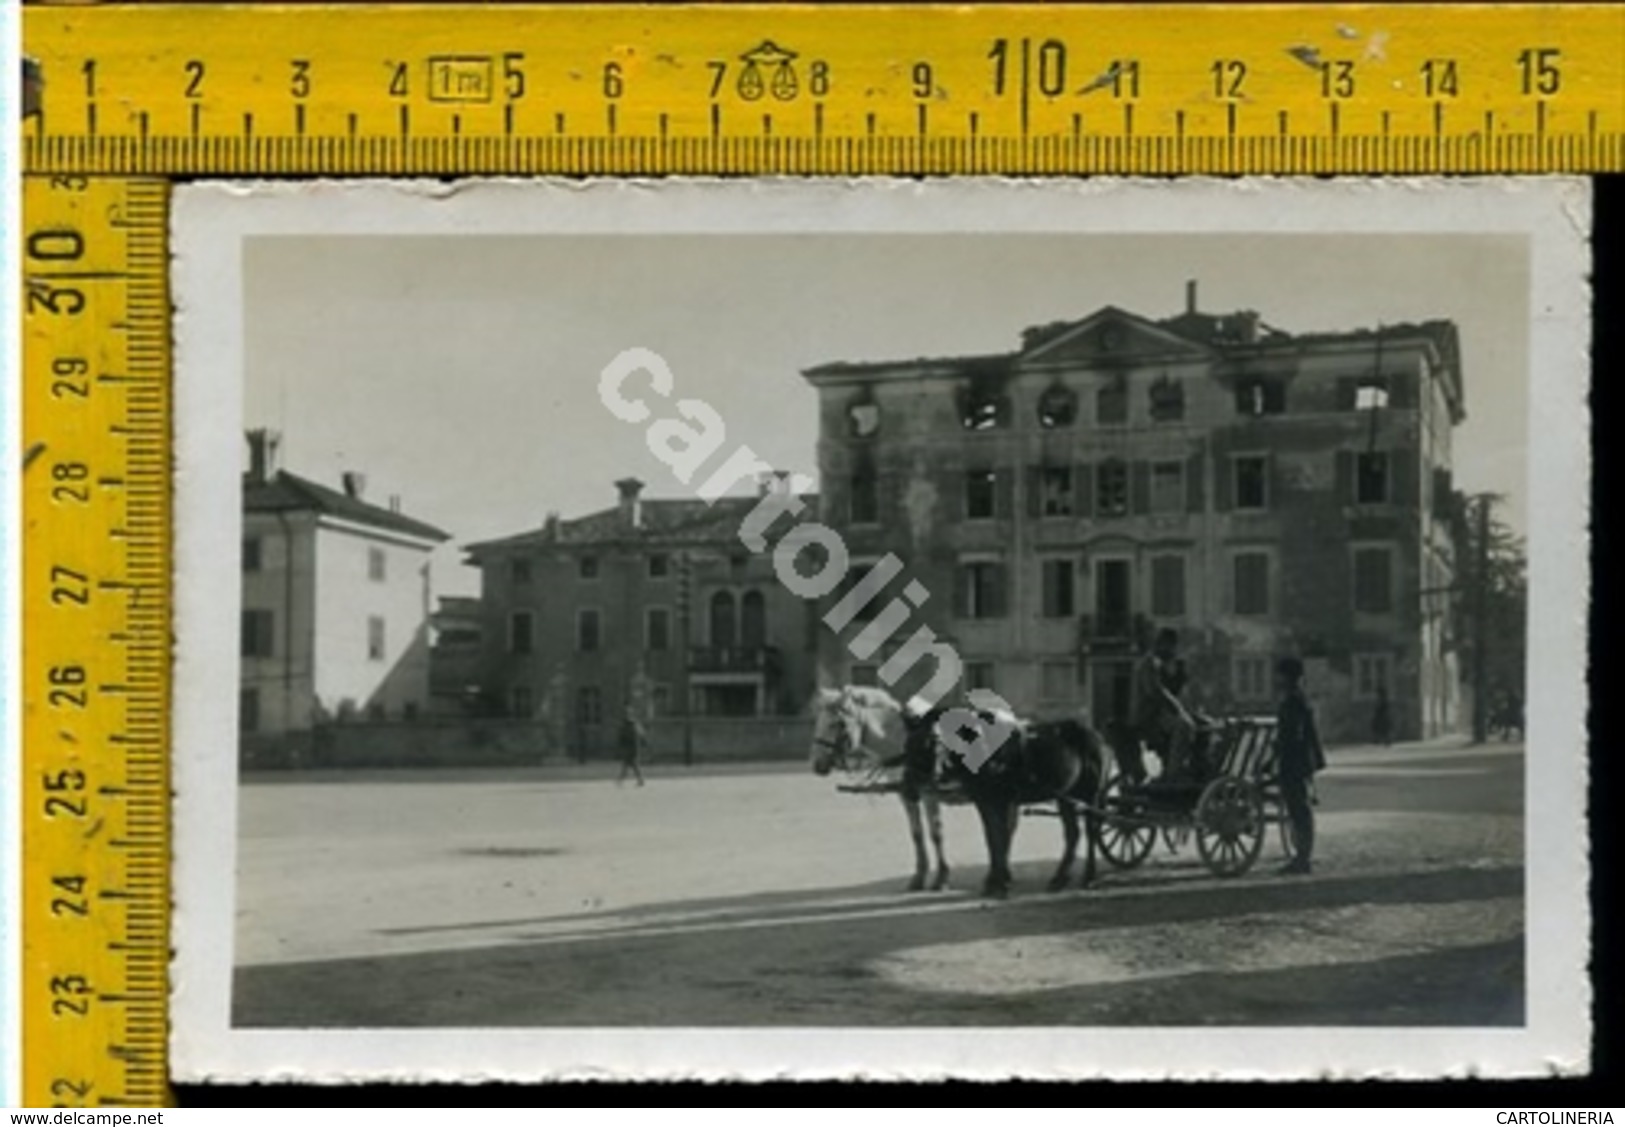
<point x="211" y="223"/>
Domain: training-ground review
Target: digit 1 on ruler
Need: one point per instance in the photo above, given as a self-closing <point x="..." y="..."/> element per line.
<point x="96" y="641"/>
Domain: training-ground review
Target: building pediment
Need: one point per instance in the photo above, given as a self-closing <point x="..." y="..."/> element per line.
<point x="1109" y="338"/>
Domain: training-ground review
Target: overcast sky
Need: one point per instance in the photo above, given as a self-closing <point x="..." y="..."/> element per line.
<point x="460" y="373"/>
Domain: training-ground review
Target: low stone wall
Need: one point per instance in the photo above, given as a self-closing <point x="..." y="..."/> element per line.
<point x="718" y="739"/>
<point x="516" y="743"/>
<point x="422" y="743"/>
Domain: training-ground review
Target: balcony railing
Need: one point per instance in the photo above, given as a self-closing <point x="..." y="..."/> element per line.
<point x="734" y="659"/>
<point x="1110" y="632"/>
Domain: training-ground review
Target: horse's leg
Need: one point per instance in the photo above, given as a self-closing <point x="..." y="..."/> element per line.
<point x="992" y="814"/>
<point x="1069" y="850"/>
<point x="911" y="806"/>
<point x="1091" y="829"/>
<point x="1012" y="816"/>
<point x="933" y="815"/>
<point x="1008" y="814"/>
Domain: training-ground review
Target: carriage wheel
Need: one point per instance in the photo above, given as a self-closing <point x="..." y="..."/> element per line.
<point x="1125" y="844"/>
<point x="1229" y="826"/>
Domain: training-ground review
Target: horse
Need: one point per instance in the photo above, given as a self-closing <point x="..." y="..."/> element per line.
<point x="862" y="728"/>
<point x="1038" y="762"/>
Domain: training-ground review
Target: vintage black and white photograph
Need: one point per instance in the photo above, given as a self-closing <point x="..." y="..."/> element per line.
<point x="881" y="628"/>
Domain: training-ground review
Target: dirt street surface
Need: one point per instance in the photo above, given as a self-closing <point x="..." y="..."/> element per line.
<point x="762" y="896"/>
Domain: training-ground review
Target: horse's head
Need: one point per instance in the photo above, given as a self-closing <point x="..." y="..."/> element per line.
<point x="836" y="731"/>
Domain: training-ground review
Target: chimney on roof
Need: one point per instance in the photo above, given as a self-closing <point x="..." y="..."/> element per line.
<point x="355" y="484"/>
<point x="550" y="526"/>
<point x="631" y="508"/>
<point x="1190" y="296"/>
<point x="263" y="448"/>
<point x="1247" y="323"/>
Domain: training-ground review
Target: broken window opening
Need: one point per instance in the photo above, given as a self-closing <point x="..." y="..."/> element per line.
<point x="1257" y="397"/>
<point x="980" y="501"/>
<point x="1252" y="482"/>
<point x="1167" y="400"/>
<point x="1371" y="477"/>
<point x="1055" y="491"/>
<point x="1057" y="407"/>
<point x="863" y="417"/>
<point x="1371" y="394"/>
<point x="984" y="407"/>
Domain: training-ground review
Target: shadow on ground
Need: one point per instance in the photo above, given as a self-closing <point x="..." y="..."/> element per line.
<point x="805" y="959"/>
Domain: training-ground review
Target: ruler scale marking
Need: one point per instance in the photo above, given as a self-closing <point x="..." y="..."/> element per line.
<point x="122" y="935"/>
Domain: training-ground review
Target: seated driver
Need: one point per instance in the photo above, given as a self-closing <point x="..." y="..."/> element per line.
<point x="1162" y="720"/>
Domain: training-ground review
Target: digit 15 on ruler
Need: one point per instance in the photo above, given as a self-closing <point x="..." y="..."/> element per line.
<point x="95" y="641"/>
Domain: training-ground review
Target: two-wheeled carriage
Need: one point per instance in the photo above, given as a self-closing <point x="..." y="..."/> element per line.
<point x="1227" y="803"/>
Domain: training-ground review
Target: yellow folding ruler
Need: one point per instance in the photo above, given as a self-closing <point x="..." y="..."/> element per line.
<point x="121" y="98"/>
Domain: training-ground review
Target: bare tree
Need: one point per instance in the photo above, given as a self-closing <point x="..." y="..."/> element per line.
<point x="1493" y="610"/>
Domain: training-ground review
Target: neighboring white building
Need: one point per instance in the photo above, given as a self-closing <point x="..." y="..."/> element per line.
<point x="335" y="611"/>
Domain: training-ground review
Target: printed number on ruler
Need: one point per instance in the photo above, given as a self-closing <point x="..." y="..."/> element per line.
<point x="614" y="87"/>
<point x="95" y="641"/>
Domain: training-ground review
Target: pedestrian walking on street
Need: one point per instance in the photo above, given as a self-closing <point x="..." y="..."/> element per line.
<point x="1297" y="742"/>
<point x="634" y="739"/>
<point x="1382" y="719"/>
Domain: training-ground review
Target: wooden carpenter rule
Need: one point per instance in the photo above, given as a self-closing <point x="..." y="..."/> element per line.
<point x="120" y="99"/>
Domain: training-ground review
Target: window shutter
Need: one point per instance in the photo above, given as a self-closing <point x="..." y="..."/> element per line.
<point x="1194" y="499"/>
<point x="998" y="590"/>
<point x="1140" y="487"/>
<point x="1224" y="493"/>
<point x="1403" y="486"/>
<point x="1004" y="488"/>
<point x="1083" y="490"/>
<point x="1034" y="485"/>
<point x="1344" y="481"/>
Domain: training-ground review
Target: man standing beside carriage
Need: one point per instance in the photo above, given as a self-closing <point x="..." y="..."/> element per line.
<point x="1300" y="755"/>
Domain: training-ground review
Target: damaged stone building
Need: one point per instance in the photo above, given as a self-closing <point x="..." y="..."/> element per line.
<point x="1261" y="492"/>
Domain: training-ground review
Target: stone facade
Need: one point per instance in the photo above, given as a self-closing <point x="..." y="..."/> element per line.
<point x="1259" y="492"/>
<point x="652" y="604"/>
